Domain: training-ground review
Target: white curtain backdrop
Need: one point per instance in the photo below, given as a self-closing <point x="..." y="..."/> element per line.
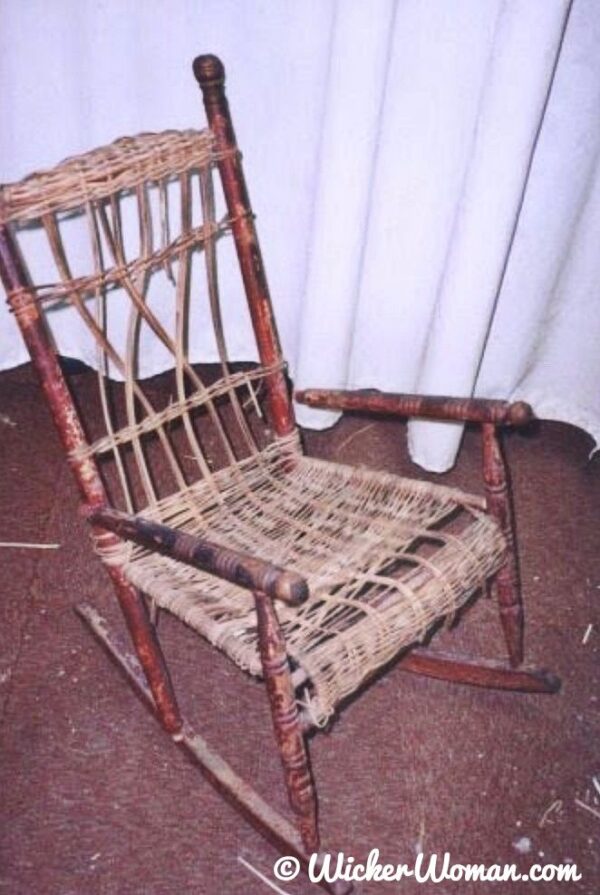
<point x="424" y="174"/>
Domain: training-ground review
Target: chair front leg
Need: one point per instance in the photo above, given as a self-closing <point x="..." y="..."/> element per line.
<point x="499" y="505"/>
<point x="286" y="722"/>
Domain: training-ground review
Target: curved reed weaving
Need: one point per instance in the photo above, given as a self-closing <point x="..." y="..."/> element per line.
<point x="123" y="165"/>
<point x="384" y="557"/>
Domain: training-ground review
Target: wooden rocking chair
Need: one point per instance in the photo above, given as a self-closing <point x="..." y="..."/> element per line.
<point x="313" y="575"/>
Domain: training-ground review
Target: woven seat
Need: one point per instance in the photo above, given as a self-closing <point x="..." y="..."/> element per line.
<point x="310" y="574"/>
<point x="384" y="558"/>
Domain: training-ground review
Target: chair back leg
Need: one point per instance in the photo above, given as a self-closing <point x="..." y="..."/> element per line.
<point x="499" y="505"/>
<point x="210" y="74"/>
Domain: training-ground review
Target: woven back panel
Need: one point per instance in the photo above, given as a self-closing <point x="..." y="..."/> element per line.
<point x="124" y="239"/>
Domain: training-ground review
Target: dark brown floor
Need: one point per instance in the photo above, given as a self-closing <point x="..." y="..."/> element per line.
<point x="96" y="800"/>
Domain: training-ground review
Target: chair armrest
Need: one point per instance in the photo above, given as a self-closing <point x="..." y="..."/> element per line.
<point x="440" y="407"/>
<point x="232" y="565"/>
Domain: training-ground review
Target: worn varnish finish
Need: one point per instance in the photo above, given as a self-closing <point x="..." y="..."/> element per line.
<point x="37" y="340"/>
<point x="491" y="415"/>
<point x="239" y="568"/>
<point x="499" y="505"/>
<point x="210" y="74"/>
<point x="482" y="673"/>
<point x="148" y="649"/>
<point x="221" y="775"/>
<point x="66" y="420"/>
<point x="286" y="721"/>
<point x="467" y="410"/>
<point x="266" y="581"/>
<point x="468" y="671"/>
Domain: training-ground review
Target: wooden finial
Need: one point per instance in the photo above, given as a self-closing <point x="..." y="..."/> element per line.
<point x="520" y="414"/>
<point x="209" y="69"/>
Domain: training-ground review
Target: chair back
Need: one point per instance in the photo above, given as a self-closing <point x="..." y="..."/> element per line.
<point x="115" y="251"/>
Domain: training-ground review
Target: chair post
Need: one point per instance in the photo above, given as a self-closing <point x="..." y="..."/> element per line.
<point x="37" y="339"/>
<point x="286" y="722"/>
<point x="210" y="74"/>
<point x="499" y="505"/>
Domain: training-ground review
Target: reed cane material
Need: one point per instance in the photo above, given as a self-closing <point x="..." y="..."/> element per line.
<point x="384" y="557"/>
<point x="204" y="501"/>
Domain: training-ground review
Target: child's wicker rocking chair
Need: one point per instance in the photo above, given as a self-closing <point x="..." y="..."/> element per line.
<point x="311" y="574"/>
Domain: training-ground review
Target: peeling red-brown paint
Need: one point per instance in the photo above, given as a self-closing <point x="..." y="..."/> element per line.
<point x="286" y="722"/>
<point x="218" y="772"/>
<point x="70" y="431"/>
<point x="441" y="407"/>
<point x="267" y="581"/>
<point x="211" y="76"/>
<point x="246" y="571"/>
<point x="491" y="414"/>
<point x="480" y="673"/>
<point x="499" y="505"/>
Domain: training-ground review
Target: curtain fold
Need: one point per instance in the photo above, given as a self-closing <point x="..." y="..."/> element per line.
<point x="424" y="173"/>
